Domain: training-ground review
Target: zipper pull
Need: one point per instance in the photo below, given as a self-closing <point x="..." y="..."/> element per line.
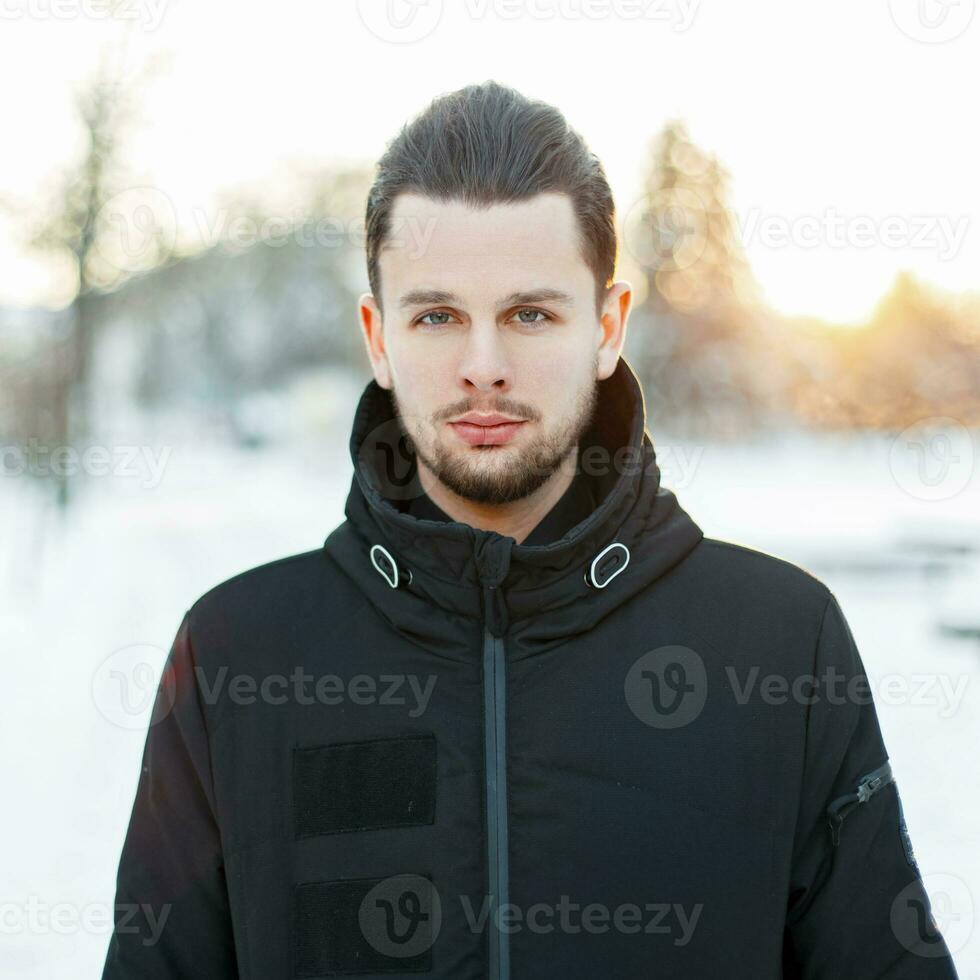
<point x="867" y="786"/>
<point x="873" y="782"/>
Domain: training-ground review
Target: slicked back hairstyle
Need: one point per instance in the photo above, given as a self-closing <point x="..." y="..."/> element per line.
<point x="488" y="144"/>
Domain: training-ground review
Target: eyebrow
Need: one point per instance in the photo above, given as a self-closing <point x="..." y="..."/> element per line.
<point x="435" y="297"/>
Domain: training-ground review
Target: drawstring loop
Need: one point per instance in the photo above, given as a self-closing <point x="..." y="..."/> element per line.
<point x="618" y="561"/>
<point x="391" y="574"/>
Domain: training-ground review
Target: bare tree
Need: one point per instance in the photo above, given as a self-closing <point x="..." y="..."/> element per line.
<point x="73" y="224"/>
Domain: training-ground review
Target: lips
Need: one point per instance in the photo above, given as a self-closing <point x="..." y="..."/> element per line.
<point x="486" y="418"/>
<point x="486" y="435"/>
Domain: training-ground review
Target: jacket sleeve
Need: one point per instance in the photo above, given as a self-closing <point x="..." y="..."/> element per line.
<point x="171" y="914"/>
<point x="857" y="907"/>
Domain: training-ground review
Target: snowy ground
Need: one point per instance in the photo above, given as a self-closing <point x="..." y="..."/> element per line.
<point x="899" y="545"/>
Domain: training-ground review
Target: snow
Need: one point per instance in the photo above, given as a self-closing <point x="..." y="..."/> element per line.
<point x="110" y="586"/>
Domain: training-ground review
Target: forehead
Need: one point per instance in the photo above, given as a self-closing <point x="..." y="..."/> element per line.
<point x="479" y="253"/>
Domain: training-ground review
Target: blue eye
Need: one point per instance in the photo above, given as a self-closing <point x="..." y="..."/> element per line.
<point x="435" y="313"/>
<point x="545" y="318"/>
<point x="531" y="323"/>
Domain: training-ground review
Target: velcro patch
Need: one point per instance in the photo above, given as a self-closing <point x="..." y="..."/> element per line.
<point x="365" y="925"/>
<point x="367" y="785"/>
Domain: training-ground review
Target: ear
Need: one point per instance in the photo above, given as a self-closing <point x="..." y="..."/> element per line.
<point x="372" y="323"/>
<point x="613" y="323"/>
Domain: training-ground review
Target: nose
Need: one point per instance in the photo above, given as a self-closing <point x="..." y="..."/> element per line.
<point x="484" y="363"/>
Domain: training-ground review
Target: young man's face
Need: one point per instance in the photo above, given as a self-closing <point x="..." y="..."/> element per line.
<point x="491" y="311"/>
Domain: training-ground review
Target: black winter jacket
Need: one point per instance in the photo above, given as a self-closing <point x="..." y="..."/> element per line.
<point x="426" y="750"/>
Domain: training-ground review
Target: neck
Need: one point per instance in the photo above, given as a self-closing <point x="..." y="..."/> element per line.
<point x="516" y="519"/>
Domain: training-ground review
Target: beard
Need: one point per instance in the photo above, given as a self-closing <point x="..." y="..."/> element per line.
<point x="497" y="475"/>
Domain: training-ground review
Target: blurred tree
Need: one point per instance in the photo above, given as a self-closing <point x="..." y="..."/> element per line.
<point x="697" y="337"/>
<point x="269" y="295"/>
<point x="74" y="223"/>
<point x="917" y="357"/>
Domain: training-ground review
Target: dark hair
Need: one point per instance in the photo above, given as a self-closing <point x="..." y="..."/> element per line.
<point x="488" y="144"/>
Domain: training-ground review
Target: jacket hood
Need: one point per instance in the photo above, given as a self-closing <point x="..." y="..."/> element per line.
<point x="536" y="594"/>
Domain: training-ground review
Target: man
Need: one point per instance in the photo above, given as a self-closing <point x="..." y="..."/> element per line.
<point x="504" y="723"/>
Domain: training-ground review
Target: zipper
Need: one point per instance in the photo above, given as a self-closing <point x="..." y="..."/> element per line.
<point x="495" y="761"/>
<point x="493" y="560"/>
<point x="866" y="788"/>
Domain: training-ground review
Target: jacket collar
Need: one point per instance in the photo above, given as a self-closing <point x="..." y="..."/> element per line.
<point x="537" y="593"/>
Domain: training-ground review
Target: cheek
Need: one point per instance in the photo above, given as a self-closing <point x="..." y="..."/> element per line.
<point x="554" y="378"/>
<point x="404" y="358"/>
<point x="420" y="379"/>
<point x="427" y="377"/>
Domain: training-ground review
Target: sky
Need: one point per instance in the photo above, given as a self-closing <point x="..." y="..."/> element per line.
<point x="846" y="128"/>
